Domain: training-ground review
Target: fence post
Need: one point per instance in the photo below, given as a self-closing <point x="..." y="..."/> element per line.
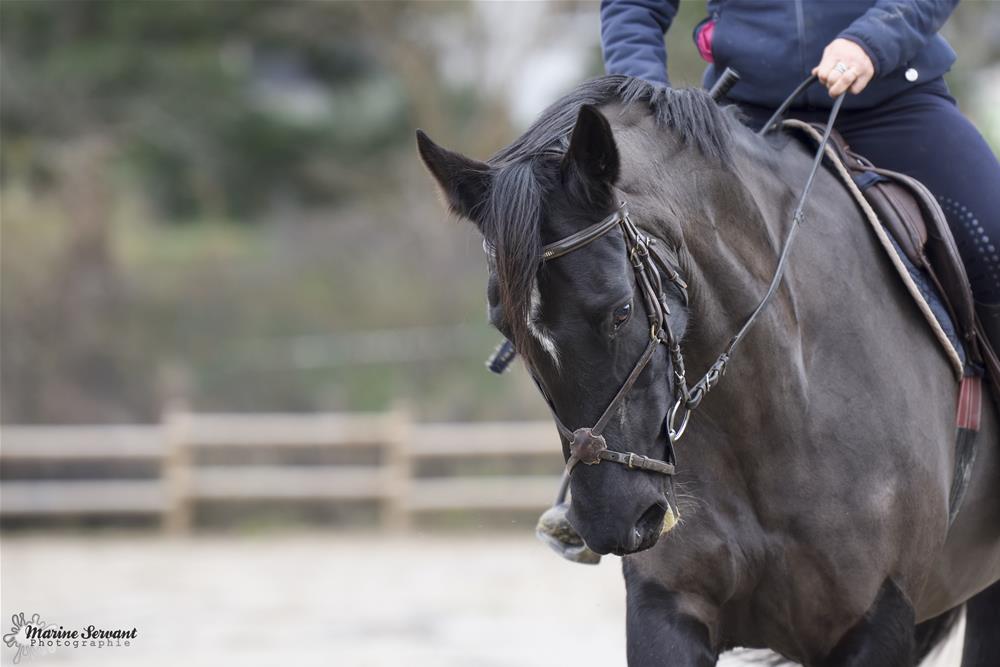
<point x="395" y="513"/>
<point x="177" y="471"/>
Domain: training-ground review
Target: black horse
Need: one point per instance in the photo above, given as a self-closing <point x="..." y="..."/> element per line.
<point x="813" y="483"/>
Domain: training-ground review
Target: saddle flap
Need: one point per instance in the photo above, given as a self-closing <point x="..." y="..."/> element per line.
<point x="913" y="217"/>
<point x="940" y="254"/>
<point x="900" y="213"/>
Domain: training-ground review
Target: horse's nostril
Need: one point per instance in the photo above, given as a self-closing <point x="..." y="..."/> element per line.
<point x="649" y="525"/>
<point x="636" y="539"/>
<point x="644" y="533"/>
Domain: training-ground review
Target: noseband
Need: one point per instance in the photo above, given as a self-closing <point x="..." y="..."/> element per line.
<point x="587" y="445"/>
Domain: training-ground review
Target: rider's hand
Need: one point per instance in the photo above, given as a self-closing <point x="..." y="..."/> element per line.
<point x="858" y="67"/>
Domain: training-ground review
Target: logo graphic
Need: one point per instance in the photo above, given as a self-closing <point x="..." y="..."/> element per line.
<point x="29" y="637"/>
<point x="18" y="635"/>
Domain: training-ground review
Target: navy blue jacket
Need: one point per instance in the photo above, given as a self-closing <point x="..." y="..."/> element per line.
<point x="774" y="44"/>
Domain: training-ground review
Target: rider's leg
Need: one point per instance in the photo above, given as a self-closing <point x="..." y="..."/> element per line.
<point x="924" y="135"/>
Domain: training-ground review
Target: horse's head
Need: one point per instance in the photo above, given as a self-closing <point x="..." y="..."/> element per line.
<point x="580" y="321"/>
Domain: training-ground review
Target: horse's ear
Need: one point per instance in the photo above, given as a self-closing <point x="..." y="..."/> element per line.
<point x="592" y="153"/>
<point x="464" y="182"/>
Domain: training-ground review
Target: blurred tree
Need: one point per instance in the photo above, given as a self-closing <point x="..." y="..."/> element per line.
<point x="188" y="112"/>
<point x="220" y="108"/>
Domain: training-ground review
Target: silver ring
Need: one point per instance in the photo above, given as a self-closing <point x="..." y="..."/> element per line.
<point x="841" y="67"/>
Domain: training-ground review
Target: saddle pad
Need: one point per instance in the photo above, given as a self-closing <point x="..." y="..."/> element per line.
<point x="917" y="284"/>
<point x="932" y="296"/>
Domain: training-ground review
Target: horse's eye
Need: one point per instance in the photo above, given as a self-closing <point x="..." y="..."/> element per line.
<point x="621" y="315"/>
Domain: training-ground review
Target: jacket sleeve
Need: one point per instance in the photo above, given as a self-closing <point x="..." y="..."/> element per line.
<point x="632" y="37"/>
<point x="893" y="31"/>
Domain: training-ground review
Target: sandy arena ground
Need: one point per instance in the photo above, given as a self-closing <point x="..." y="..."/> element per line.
<point x="351" y="600"/>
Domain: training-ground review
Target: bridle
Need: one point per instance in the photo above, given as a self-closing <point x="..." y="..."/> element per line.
<point x="587" y="445"/>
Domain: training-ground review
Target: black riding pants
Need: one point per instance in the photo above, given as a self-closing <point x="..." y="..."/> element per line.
<point x="922" y="133"/>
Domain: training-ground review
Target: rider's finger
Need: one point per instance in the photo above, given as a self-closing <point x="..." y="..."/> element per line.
<point x="823" y="70"/>
<point x="832" y="77"/>
<point x="842" y="82"/>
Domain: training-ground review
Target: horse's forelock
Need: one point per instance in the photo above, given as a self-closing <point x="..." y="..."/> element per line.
<point x="512" y="225"/>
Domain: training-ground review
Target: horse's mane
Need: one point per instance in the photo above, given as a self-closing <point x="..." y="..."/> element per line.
<point x="511" y="216"/>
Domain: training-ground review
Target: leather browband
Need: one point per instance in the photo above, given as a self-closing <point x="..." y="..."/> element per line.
<point x="584" y="236"/>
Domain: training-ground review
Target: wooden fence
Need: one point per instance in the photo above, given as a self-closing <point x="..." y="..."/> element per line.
<point x="195" y="459"/>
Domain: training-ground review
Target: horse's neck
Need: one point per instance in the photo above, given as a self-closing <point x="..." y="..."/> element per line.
<point x="833" y="278"/>
<point x="732" y="245"/>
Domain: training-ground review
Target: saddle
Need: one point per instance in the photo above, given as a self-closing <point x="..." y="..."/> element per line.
<point x="912" y="216"/>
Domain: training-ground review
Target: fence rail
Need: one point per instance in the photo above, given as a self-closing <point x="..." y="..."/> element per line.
<point x="182" y="473"/>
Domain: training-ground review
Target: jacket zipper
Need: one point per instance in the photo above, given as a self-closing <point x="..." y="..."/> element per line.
<point x="800" y="23"/>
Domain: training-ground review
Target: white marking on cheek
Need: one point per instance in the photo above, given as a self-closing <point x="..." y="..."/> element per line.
<point x="537" y="330"/>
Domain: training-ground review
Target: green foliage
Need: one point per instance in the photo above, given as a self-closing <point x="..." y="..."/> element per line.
<point x="221" y="108"/>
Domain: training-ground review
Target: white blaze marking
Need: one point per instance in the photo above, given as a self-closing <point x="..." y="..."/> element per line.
<point x="537" y="330"/>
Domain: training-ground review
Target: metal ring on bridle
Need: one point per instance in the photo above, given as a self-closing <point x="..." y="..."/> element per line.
<point x="676" y="433"/>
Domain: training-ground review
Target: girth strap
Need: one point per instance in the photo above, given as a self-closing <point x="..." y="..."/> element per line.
<point x="967" y="421"/>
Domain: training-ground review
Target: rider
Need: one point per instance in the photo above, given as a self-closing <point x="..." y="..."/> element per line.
<point x="886" y="53"/>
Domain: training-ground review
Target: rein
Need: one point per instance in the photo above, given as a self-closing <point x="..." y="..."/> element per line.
<point x="587" y="444"/>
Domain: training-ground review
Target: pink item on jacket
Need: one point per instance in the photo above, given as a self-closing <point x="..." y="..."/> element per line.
<point x="704" y="41"/>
